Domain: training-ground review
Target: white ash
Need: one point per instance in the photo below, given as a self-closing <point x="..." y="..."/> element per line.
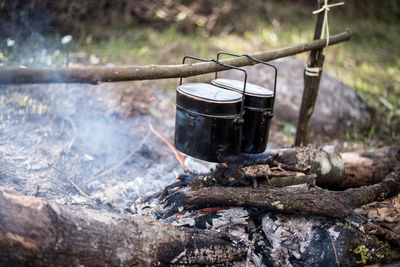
<point x="185" y="219"/>
<point x="334" y="234"/>
<point x="199" y="166"/>
<point x="289" y="236"/>
<point x="232" y="220"/>
<point x="227" y="218"/>
<point x="256" y="261"/>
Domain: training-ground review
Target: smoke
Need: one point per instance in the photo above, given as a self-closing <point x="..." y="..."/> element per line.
<point x="85" y="144"/>
<point x="83" y="134"/>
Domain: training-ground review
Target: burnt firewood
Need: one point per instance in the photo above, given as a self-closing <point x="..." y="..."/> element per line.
<point x="36" y="232"/>
<point x="370" y="167"/>
<point x="311" y="201"/>
<point x="261" y="174"/>
<point x="288" y="181"/>
<point x="340" y="171"/>
<point x="334" y="170"/>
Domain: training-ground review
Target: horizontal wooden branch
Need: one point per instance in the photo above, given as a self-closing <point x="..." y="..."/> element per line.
<point x="103" y="74"/>
<point x="306" y="202"/>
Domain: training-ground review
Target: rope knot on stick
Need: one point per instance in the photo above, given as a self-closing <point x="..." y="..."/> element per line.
<point x="312" y="71"/>
<point x="325" y="28"/>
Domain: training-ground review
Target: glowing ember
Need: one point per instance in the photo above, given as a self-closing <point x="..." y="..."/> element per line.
<point x="216" y="209"/>
<point x="222" y="165"/>
<point x="177" y="154"/>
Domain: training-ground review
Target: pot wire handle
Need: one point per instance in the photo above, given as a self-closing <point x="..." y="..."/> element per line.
<point x="227" y="66"/>
<point x="256" y="60"/>
<point x="191" y="57"/>
<point x="240" y="121"/>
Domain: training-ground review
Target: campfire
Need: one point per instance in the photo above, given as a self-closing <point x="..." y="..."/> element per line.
<point x="100" y="162"/>
<point x="102" y="175"/>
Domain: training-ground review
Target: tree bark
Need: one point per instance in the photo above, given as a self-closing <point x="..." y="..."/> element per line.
<point x="97" y="75"/>
<point x="338" y="171"/>
<point x="35" y="232"/>
<point x="311" y="85"/>
<point x="370" y="167"/>
<point x="306" y="202"/>
<point x="288" y="181"/>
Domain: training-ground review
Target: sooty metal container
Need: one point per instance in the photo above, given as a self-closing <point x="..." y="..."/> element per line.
<point x="209" y="121"/>
<point x="259" y="105"/>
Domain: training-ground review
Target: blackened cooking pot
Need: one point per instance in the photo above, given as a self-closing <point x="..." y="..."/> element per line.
<point x="259" y="106"/>
<point x="209" y="119"/>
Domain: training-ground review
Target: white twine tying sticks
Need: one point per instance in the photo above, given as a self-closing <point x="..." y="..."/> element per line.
<point x="325" y="28"/>
<point x="314" y="71"/>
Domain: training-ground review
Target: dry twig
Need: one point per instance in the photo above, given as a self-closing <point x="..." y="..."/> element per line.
<point x="253" y="241"/>
<point x="334" y="248"/>
<point x="72" y="183"/>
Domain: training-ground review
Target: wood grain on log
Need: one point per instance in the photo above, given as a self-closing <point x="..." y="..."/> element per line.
<point x="289" y="180"/>
<point x="340" y="171"/>
<point x="35" y="232"/>
<point x="310" y="93"/>
<point x="370" y="167"/>
<point x="97" y="75"/>
<point x="310" y="202"/>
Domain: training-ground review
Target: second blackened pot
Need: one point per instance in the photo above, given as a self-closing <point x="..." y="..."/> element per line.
<point x="258" y="106"/>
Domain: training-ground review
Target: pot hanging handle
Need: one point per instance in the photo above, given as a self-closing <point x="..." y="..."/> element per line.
<point x="240" y="120"/>
<point x="256" y="60"/>
<point x="191" y="57"/>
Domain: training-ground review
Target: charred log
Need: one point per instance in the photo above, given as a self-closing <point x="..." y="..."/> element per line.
<point x="334" y="170"/>
<point x="35" y="232"/>
<point x="370" y="167"/>
<point x="288" y="181"/>
<point x="311" y="201"/>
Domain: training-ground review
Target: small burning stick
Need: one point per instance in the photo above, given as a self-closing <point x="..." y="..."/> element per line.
<point x="178" y="155"/>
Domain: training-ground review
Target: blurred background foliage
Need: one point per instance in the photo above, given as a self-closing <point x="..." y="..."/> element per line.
<point x="20" y="18"/>
<point x="123" y="32"/>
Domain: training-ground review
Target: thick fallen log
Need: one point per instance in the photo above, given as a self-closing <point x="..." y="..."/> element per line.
<point x="334" y="170"/>
<point x="370" y="167"/>
<point x="97" y="75"/>
<point x="35" y="232"/>
<point x="306" y="202"/>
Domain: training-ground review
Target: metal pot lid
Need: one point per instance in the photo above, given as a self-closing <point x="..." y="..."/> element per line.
<point x="251" y="89"/>
<point x="209" y="93"/>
